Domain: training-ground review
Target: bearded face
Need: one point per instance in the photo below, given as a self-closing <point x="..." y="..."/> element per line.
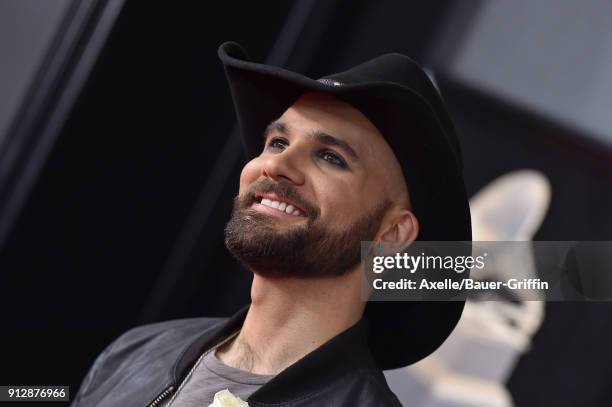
<point x="324" y="181"/>
<point x="307" y="247"/>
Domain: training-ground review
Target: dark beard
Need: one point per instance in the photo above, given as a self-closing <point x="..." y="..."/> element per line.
<point x="306" y="250"/>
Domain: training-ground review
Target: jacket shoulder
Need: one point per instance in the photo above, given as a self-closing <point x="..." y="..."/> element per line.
<point x="376" y="391"/>
<point x="174" y="329"/>
<point x="168" y="337"/>
<point x="159" y="336"/>
<point x="362" y="387"/>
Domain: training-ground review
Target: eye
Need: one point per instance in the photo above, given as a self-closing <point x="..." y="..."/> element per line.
<point x="277" y="143"/>
<point x="333" y="158"/>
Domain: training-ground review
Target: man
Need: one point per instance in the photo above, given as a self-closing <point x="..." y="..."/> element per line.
<point x="368" y="154"/>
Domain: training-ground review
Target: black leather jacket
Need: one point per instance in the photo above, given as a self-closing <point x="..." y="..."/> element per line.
<point x="145" y="366"/>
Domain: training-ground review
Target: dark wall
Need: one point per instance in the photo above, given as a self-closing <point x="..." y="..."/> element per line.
<point x="119" y="184"/>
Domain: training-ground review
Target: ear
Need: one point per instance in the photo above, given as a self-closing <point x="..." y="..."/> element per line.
<point x="401" y="231"/>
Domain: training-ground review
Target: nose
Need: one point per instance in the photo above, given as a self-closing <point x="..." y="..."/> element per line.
<point x="284" y="166"/>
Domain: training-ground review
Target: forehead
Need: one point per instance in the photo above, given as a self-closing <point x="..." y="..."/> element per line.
<point x="322" y="112"/>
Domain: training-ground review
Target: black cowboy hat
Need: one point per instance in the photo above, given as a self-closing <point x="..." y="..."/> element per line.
<point x="398" y="97"/>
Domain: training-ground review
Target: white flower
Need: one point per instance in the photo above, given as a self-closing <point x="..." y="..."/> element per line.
<point x="224" y="398"/>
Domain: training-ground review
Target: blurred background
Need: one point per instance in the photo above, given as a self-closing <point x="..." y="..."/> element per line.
<point x="119" y="157"/>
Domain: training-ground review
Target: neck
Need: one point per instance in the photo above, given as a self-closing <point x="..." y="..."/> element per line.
<point x="289" y="318"/>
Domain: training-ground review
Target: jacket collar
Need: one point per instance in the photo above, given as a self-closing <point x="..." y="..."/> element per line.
<point x="344" y="354"/>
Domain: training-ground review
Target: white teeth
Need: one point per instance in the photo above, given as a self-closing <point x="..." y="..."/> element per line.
<point x="281" y="206"/>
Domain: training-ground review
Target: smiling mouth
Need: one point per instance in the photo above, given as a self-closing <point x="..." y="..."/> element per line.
<point x="277" y="206"/>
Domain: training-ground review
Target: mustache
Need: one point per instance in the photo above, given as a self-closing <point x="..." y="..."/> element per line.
<point x="283" y="190"/>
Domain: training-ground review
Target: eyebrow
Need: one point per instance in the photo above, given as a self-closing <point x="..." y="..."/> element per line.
<point x="322" y="137"/>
